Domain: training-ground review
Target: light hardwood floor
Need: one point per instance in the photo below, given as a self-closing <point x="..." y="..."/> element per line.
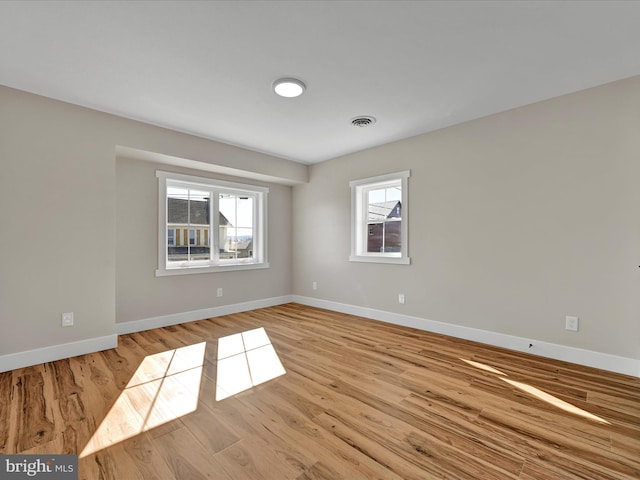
<point x="359" y="400"/>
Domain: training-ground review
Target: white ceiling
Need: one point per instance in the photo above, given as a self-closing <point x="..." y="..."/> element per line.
<point x="207" y="68"/>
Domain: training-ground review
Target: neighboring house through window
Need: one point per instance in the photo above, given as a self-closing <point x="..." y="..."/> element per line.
<point x="210" y="225"/>
<point x="379" y="219"/>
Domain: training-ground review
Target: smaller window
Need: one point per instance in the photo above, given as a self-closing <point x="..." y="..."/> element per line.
<point x="379" y="212"/>
<point x="171" y="237"/>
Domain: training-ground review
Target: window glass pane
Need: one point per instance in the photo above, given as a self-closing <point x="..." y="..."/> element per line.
<point x="393" y="193"/>
<point x="384" y="219"/>
<point x="200" y="216"/>
<point x="187" y="208"/>
<point x="244" y="243"/>
<point x="245" y="212"/>
<point x="375" y="239"/>
<point x="392" y="236"/>
<point x="228" y="208"/>
<point x="198" y="207"/>
<point x="199" y="248"/>
<point x="177" y="203"/>
<point x="236" y="226"/>
<point x="227" y="242"/>
<point x="176" y="253"/>
<point x="177" y="216"/>
<point x="376" y="196"/>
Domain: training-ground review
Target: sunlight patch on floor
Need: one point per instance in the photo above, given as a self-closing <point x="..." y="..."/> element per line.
<point x="555" y="401"/>
<point x="536" y="392"/>
<point x="165" y="387"/>
<point x="245" y="360"/>
<point x="482" y="366"/>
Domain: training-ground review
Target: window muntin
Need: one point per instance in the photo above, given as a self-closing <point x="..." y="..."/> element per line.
<point x="379" y="213"/>
<point x="192" y="208"/>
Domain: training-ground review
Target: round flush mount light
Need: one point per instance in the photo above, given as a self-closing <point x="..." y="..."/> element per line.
<point x="289" y="87"/>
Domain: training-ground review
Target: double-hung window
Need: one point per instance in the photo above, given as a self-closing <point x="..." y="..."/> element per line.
<point x="379" y="213"/>
<point x="208" y="225"/>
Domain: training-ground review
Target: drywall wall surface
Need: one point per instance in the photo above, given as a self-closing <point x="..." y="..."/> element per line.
<point x="515" y="221"/>
<point x="58" y="211"/>
<point x="57" y="204"/>
<point x="142" y="295"/>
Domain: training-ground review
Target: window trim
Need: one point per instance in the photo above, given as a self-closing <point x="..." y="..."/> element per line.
<point x="214" y="264"/>
<point x="359" y="225"/>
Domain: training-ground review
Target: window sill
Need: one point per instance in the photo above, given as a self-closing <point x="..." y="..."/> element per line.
<point x="380" y="259"/>
<point x="165" y="272"/>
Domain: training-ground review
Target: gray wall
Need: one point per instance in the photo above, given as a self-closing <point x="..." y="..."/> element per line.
<point x="59" y="213"/>
<point x="141" y="295"/>
<point x="516" y="220"/>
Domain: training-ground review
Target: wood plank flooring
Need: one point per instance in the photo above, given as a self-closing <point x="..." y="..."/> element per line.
<point x="359" y="400"/>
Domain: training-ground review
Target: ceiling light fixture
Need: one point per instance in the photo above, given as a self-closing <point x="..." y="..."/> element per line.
<point x="289" y="87"/>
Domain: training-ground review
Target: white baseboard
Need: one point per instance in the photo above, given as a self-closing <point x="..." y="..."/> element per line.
<point x="605" y="361"/>
<point x="67" y="350"/>
<point x="56" y="352"/>
<point x="177" y="318"/>
<point x="613" y="363"/>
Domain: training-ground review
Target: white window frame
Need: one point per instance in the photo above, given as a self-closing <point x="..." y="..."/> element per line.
<point x="215" y="187"/>
<point x="359" y="224"/>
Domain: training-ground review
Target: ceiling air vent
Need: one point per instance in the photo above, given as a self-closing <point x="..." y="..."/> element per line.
<point x="363" y="121"/>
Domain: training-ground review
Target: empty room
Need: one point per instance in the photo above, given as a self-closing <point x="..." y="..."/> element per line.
<point x="391" y="240"/>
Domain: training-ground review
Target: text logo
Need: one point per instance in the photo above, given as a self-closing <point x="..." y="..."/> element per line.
<point x="49" y="467"/>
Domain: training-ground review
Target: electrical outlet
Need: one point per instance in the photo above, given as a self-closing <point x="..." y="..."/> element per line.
<point x="571" y="323"/>
<point x="219" y="293"/>
<point x="314" y="285"/>
<point x="401" y="298"/>
<point x="67" y="319"/>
